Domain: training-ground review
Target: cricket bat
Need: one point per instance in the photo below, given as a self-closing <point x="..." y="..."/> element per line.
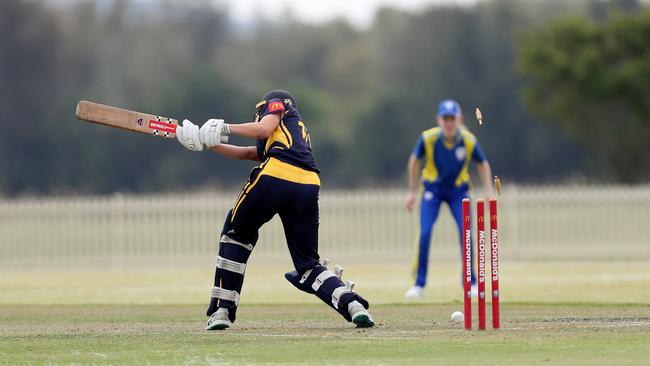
<point x="127" y="120"/>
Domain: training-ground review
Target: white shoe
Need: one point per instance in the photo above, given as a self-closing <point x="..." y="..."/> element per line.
<point x="415" y="292"/>
<point x="360" y="315"/>
<point x="219" y="320"/>
<point x="474" y="291"/>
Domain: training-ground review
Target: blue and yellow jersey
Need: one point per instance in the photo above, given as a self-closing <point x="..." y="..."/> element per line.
<point x="447" y="165"/>
<point x="290" y="142"/>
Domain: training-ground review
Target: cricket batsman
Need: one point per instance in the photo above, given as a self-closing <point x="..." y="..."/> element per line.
<point x="286" y="183"/>
<point x="445" y="152"/>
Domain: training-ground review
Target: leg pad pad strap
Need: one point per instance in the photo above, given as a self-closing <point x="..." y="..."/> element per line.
<point x="340" y="291"/>
<point x="223" y="294"/>
<point x="321" y="278"/>
<point x="228" y="240"/>
<point x="230" y="265"/>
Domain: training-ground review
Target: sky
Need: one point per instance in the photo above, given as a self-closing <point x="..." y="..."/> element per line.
<point x="358" y="12"/>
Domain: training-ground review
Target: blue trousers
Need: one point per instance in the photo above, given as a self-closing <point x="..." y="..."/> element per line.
<point x="432" y="198"/>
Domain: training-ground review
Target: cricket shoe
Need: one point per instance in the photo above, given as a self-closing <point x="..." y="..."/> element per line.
<point x="219" y="320"/>
<point x="360" y="315"/>
<point x="415" y="292"/>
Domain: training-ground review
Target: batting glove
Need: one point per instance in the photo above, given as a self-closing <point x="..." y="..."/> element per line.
<point x="214" y="132"/>
<point x="188" y="136"/>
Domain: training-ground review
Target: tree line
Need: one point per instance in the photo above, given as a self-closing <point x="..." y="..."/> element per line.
<point x="565" y="97"/>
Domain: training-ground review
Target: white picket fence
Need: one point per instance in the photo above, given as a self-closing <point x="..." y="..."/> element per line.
<point x="555" y="222"/>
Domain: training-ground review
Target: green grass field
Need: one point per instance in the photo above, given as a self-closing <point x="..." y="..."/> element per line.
<point x="553" y="313"/>
<point x="591" y="334"/>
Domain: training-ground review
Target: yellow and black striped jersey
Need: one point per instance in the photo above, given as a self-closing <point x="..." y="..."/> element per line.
<point x="290" y="142"/>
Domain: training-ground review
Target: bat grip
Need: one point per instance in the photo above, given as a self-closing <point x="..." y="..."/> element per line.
<point x="224" y="139"/>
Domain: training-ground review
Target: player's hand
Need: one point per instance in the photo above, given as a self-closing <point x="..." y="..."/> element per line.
<point x="410" y="201"/>
<point x="214" y="132"/>
<point x="188" y="136"/>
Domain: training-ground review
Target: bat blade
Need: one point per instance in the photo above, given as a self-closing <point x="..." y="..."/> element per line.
<point x="125" y="119"/>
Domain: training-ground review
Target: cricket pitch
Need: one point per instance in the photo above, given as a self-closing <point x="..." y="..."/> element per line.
<point x="552" y="313"/>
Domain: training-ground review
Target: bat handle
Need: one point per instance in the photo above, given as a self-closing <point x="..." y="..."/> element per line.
<point x="224" y="139"/>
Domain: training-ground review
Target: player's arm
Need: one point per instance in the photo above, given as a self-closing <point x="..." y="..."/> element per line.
<point x="484" y="170"/>
<point x="412" y="170"/>
<point x="269" y="122"/>
<point x="213" y="131"/>
<point x="237" y="152"/>
<point x="412" y="167"/>
<point x="256" y="130"/>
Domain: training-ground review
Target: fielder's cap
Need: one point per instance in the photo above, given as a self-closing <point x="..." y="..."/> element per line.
<point x="449" y="107"/>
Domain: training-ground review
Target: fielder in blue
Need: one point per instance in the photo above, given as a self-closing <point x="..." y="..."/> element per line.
<point x="445" y="153"/>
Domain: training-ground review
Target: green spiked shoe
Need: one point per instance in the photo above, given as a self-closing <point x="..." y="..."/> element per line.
<point x="219" y="320"/>
<point x="360" y="315"/>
